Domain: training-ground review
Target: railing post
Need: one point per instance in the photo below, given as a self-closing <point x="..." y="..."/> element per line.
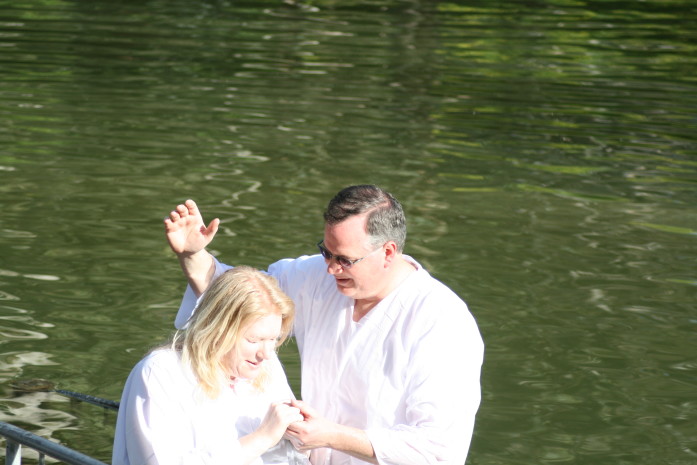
<point x="13" y="453"/>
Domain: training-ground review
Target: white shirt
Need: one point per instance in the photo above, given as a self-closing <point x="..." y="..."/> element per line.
<point x="165" y="418"/>
<point x="407" y="373"/>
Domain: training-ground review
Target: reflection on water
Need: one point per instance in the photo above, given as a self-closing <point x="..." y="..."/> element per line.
<point x="30" y="410"/>
<point x="544" y="154"/>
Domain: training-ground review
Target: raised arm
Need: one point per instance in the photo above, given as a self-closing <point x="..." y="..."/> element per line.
<point x="188" y="237"/>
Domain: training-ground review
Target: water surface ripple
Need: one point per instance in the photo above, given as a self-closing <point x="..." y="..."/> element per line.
<point x="545" y="154"/>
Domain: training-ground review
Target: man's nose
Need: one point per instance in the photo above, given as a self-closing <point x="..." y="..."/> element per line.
<point x="333" y="267"/>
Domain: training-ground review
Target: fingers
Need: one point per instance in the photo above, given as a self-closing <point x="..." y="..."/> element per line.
<point x="297" y="403"/>
<point x="212" y="228"/>
<point x="295" y="428"/>
<point x="304" y="408"/>
<point x="191" y="207"/>
<point x="182" y="211"/>
<point x="295" y="417"/>
<point x="287" y="413"/>
<point x="171" y="225"/>
<point x="292" y="414"/>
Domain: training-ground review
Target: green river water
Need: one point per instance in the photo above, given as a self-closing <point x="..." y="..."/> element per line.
<point x="545" y="153"/>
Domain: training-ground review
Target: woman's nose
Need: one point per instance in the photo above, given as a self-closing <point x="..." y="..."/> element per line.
<point x="267" y="349"/>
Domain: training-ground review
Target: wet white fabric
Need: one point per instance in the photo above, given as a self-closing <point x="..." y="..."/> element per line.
<point x="407" y="373"/>
<point x="164" y="417"/>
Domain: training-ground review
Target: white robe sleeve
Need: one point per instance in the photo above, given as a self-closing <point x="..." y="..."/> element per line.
<point x="442" y="399"/>
<point x="190" y="301"/>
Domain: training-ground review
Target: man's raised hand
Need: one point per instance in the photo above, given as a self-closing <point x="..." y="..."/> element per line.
<point x="186" y="232"/>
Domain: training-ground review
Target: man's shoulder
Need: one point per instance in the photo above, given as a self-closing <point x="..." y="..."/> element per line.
<point x="299" y="274"/>
<point x="304" y="264"/>
<point x="424" y="301"/>
<point x="422" y="287"/>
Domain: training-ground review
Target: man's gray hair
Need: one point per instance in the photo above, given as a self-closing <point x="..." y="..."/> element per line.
<point x="385" y="221"/>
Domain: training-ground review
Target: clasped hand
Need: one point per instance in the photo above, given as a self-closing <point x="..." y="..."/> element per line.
<point x="313" y="432"/>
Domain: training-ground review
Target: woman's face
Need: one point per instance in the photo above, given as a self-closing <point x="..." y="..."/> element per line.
<point x="257" y="344"/>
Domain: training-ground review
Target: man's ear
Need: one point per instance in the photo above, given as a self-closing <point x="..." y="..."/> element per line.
<point x="390" y="250"/>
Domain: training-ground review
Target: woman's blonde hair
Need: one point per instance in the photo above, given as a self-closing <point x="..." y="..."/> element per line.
<point x="233" y="302"/>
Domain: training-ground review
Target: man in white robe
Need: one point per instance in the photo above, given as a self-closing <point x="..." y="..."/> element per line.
<point x="390" y="357"/>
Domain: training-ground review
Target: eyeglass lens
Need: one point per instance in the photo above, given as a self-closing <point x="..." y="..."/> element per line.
<point x="342" y="261"/>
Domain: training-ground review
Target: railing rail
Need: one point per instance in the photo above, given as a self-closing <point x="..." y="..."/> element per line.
<point x="17" y="437"/>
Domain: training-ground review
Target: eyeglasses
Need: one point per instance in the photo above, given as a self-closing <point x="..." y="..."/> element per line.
<point x="344" y="262"/>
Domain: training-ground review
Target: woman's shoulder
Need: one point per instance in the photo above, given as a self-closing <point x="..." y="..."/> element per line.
<point x="161" y="356"/>
<point x="161" y="377"/>
<point x="160" y="362"/>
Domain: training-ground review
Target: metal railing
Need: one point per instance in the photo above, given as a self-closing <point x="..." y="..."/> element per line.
<point x="17" y="437"/>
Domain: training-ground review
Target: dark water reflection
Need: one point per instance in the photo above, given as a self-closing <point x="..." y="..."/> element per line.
<point x="545" y="154"/>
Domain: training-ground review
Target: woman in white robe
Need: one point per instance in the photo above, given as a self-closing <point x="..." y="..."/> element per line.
<point x="217" y="394"/>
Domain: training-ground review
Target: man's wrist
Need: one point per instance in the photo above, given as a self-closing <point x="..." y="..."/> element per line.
<point x="198" y="268"/>
<point x="352" y="441"/>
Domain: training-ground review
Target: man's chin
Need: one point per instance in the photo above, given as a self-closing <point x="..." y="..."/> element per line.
<point x="347" y="291"/>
